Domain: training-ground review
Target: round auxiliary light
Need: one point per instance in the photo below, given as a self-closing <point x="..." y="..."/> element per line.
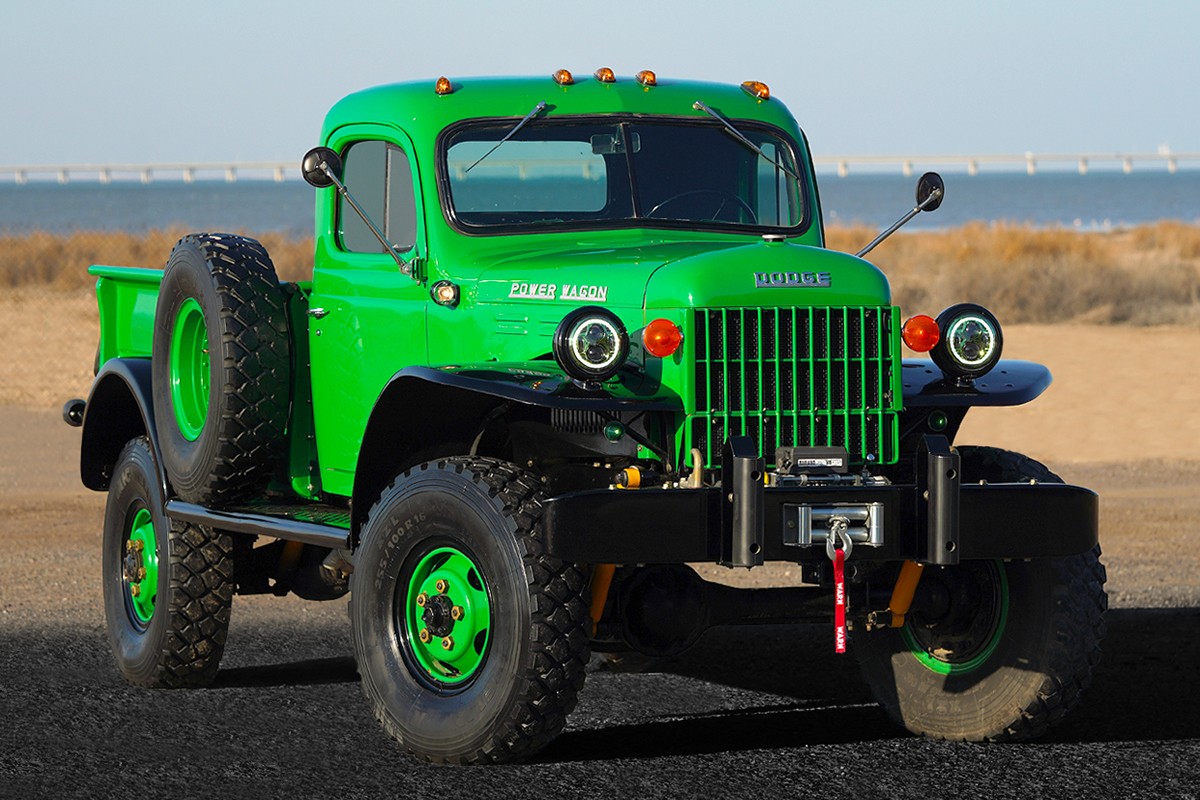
<point x="662" y="338"/>
<point x="920" y="333"/>
<point x="971" y="341"/>
<point x="591" y="344"/>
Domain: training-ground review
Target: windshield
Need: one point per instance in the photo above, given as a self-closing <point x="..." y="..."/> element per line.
<point x="621" y="173"/>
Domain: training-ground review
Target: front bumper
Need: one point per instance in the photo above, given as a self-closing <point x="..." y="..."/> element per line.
<point x="743" y="523"/>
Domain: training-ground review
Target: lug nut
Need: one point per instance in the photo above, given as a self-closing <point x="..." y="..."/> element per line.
<point x="139" y="545"/>
<point x="457" y="613"/>
<point x="442" y="586"/>
<point x="141" y="573"/>
<point x="424" y="636"/>
<point x="135" y="590"/>
<point x="447" y="643"/>
<point x="422" y="598"/>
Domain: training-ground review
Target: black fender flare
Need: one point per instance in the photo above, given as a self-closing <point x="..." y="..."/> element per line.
<point x="405" y="427"/>
<point x="120" y="407"/>
<point x="1010" y="383"/>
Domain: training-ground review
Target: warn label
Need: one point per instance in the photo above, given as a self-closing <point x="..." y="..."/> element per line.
<point x="783" y="280"/>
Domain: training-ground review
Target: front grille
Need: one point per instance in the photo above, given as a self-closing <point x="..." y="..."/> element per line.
<point x="796" y="377"/>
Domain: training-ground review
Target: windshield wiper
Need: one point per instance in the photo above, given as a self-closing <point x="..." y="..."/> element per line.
<point x="741" y="137"/>
<point x="541" y="104"/>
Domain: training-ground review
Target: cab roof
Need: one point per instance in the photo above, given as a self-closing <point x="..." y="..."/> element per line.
<point x="423" y="113"/>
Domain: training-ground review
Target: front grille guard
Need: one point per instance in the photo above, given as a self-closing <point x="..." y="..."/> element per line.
<point x="796" y="376"/>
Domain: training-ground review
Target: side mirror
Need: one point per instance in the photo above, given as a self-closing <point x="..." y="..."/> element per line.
<point x="930" y="191"/>
<point x="321" y="167"/>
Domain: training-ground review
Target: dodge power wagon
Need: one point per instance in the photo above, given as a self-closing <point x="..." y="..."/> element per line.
<point x="565" y="338"/>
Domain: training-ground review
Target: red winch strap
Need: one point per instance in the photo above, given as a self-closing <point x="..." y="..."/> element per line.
<point x="839" y="600"/>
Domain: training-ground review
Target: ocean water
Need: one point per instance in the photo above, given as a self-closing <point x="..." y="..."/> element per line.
<point x="1096" y="201"/>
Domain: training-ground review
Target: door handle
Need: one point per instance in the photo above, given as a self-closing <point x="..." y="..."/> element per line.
<point x="317" y="313"/>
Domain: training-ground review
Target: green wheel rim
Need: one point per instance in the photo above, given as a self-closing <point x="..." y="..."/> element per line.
<point x="978" y="656"/>
<point x="141" y="566"/>
<point x="447" y="616"/>
<point x="189" y="365"/>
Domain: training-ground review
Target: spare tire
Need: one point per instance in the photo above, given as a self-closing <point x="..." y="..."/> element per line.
<point x="221" y="368"/>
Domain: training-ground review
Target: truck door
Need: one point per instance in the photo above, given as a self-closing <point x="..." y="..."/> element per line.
<point x="367" y="319"/>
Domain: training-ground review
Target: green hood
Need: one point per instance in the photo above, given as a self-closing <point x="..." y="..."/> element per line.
<point x="683" y="275"/>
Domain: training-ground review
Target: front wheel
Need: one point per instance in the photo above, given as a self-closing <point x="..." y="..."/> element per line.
<point x="470" y="640"/>
<point x="998" y="650"/>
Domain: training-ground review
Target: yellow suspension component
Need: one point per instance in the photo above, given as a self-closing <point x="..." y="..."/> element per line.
<point x="602" y="576"/>
<point x="630" y="478"/>
<point x="902" y="593"/>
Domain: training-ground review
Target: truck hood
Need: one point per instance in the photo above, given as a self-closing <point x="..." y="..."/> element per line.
<point x="684" y="275"/>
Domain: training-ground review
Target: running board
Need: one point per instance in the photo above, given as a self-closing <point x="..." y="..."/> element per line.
<point x="236" y="521"/>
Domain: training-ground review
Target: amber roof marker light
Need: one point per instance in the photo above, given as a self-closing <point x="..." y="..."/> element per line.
<point x="443" y="86"/>
<point x="757" y="89"/>
<point x="563" y="77"/>
<point x="605" y="75"/>
<point x="647" y="78"/>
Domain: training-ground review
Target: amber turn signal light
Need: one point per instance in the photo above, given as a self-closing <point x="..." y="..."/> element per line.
<point x="662" y="338"/>
<point x="920" y="333"/>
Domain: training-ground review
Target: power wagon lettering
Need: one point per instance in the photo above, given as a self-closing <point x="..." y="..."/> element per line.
<point x="553" y="291"/>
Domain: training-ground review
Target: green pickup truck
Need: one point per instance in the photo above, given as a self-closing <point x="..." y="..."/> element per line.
<point x="565" y="337"/>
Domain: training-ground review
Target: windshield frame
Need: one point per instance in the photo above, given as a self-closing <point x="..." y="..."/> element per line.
<point x="805" y="190"/>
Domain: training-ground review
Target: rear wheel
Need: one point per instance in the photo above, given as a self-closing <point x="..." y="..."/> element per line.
<point x="168" y="587"/>
<point x="470" y="640"/>
<point x="999" y="650"/>
<point x="221" y="368"/>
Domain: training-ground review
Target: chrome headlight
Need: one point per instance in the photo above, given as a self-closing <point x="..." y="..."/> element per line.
<point x="971" y="341"/>
<point x="591" y="344"/>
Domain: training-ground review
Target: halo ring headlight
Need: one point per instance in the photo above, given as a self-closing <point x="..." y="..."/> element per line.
<point x="971" y="341"/>
<point x="591" y="344"/>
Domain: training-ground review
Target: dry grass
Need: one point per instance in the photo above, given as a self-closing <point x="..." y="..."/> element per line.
<point x="1148" y="275"/>
<point x="60" y="262"/>
<point x="1142" y="276"/>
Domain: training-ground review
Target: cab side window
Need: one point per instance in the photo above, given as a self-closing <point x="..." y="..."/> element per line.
<point x="380" y="178"/>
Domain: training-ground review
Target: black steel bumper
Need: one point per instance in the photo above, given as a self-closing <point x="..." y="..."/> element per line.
<point x="743" y="523"/>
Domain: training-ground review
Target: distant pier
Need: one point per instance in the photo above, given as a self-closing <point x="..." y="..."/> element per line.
<point x="277" y="171"/>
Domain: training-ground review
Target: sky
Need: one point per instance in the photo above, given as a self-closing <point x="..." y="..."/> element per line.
<point x="141" y="81"/>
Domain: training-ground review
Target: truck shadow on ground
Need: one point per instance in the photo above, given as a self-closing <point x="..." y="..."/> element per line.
<point x="1141" y="691"/>
<point x="813" y="697"/>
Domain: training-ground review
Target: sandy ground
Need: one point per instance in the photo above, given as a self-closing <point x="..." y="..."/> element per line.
<point x="286" y="717"/>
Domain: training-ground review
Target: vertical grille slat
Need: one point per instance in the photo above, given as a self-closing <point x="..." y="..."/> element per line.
<point x="805" y="376"/>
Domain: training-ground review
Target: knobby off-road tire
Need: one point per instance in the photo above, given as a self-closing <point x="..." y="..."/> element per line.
<point x="463" y="533"/>
<point x="1017" y="647"/>
<point x="221" y="368"/>
<point x="166" y="625"/>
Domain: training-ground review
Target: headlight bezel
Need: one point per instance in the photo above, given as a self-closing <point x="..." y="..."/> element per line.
<point x="949" y="356"/>
<point x="569" y="354"/>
